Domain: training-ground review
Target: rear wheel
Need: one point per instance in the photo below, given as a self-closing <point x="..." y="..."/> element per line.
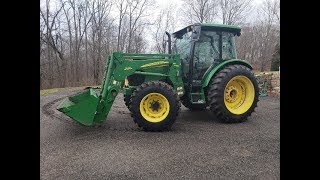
<point x="233" y="93"/>
<point x="154" y="106"/>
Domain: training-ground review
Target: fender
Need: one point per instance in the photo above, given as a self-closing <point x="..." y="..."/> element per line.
<point x="212" y="71"/>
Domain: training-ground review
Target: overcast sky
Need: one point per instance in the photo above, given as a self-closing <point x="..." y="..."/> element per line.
<point x="178" y="4"/>
<point x="163" y="2"/>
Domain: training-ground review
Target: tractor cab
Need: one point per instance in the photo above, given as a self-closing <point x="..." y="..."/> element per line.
<point x="202" y="47"/>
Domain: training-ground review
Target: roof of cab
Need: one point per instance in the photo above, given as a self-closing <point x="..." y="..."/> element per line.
<point x="210" y="26"/>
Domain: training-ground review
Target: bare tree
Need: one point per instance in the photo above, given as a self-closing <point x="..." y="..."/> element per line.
<point x="270" y="12"/>
<point x="269" y="32"/>
<point x="136" y="11"/>
<point x="199" y="11"/>
<point x="234" y="11"/>
<point x="122" y="7"/>
<point x="70" y="30"/>
<point x="100" y="18"/>
<point x="165" y="22"/>
<point x="76" y="36"/>
<point x="259" y="38"/>
<point x="47" y="36"/>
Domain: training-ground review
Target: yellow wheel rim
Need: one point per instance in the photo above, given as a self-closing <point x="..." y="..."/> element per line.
<point x="239" y="94"/>
<point x="154" y="107"/>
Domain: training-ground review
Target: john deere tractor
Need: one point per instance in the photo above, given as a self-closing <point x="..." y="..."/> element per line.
<point x="200" y="70"/>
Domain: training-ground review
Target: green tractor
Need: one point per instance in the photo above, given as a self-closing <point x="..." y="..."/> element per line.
<point x="200" y="70"/>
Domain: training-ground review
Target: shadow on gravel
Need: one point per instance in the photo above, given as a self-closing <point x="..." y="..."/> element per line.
<point x="198" y="116"/>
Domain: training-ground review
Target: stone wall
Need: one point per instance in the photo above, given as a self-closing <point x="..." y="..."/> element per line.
<point x="273" y="82"/>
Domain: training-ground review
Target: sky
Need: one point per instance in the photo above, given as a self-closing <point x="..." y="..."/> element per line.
<point x="162" y="4"/>
<point x="178" y="3"/>
<point x="179" y="25"/>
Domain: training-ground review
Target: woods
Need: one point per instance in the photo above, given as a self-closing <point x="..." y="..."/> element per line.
<point x="76" y="36"/>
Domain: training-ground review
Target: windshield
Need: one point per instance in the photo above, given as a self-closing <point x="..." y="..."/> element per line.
<point x="182" y="46"/>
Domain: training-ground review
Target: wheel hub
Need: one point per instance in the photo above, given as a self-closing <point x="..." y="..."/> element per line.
<point x="239" y="94"/>
<point x="231" y="94"/>
<point x="155" y="105"/>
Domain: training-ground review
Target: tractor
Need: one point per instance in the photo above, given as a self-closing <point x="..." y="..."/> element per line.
<point x="200" y="70"/>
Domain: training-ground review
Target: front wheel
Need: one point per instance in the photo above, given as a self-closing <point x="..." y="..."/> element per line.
<point x="233" y="94"/>
<point x="154" y="106"/>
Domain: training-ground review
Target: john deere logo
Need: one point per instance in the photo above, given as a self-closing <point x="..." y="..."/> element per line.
<point x="155" y="64"/>
<point x="127" y="68"/>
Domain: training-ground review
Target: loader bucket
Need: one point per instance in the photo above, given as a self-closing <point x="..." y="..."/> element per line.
<point x="81" y="107"/>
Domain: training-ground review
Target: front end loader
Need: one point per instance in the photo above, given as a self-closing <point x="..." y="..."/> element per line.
<point x="89" y="108"/>
<point x="201" y="70"/>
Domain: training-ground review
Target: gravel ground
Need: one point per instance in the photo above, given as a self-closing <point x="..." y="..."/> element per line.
<point x="197" y="147"/>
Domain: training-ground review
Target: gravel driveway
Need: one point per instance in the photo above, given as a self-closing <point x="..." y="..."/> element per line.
<point x="197" y="147"/>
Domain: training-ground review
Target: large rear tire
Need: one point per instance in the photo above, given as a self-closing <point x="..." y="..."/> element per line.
<point x="154" y="106"/>
<point x="233" y="94"/>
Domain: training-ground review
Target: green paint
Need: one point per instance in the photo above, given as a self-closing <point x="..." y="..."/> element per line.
<point x="212" y="70"/>
<point x="81" y="107"/>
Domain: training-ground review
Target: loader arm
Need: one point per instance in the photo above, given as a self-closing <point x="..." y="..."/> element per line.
<point x="88" y="108"/>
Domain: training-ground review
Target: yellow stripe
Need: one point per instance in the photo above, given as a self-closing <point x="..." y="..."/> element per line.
<point x="154" y="64"/>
